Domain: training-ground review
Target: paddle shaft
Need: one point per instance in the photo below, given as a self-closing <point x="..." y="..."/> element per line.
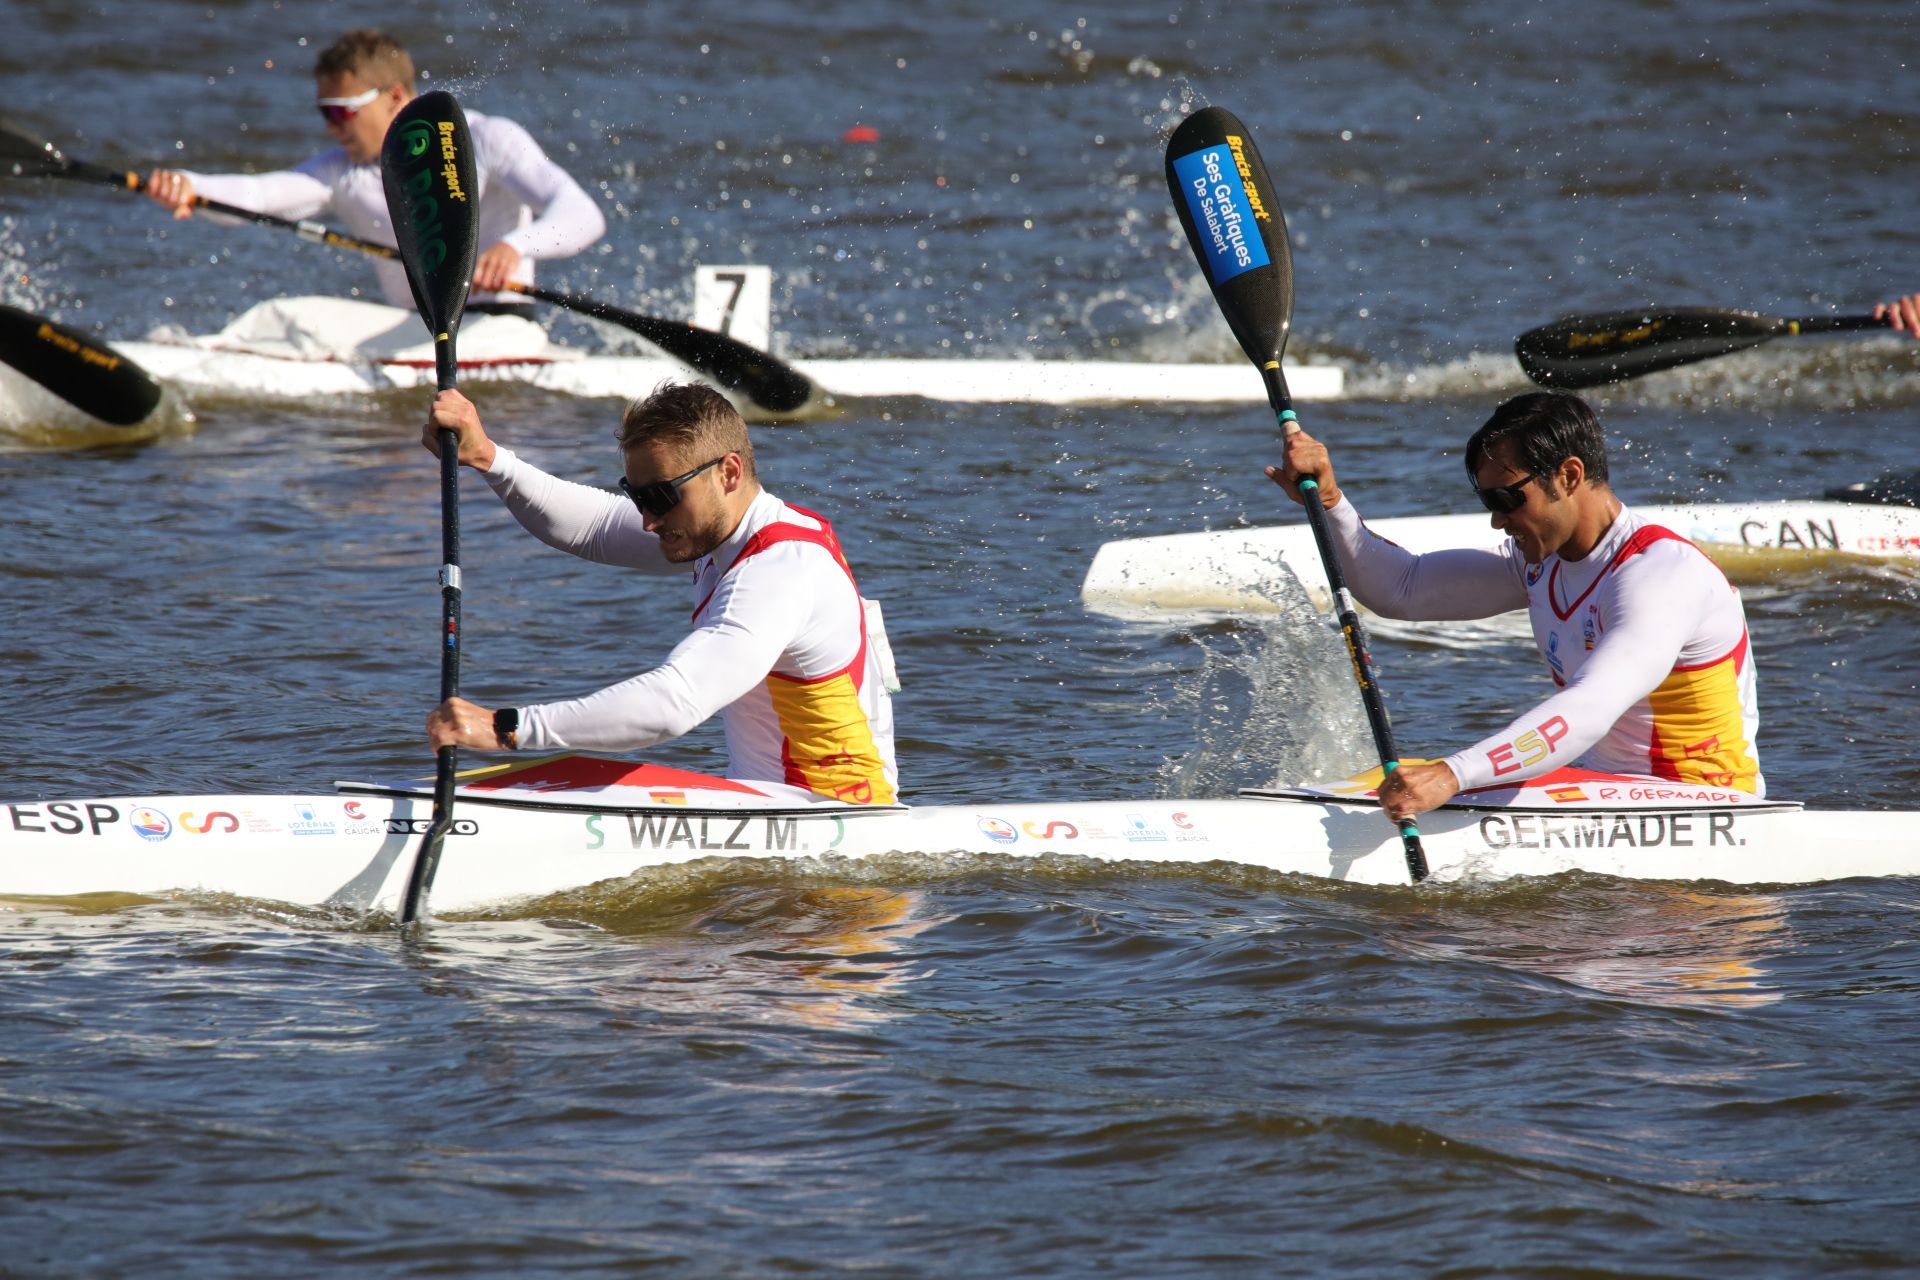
<point x="447" y="759"/>
<point x="1349" y="619"/>
<point x="1837" y="324"/>
<point x="771" y="384"/>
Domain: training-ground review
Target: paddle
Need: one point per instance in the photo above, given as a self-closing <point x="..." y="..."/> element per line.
<point x="426" y="165"/>
<point x="89" y="376"/>
<point x="1591" y="350"/>
<point x="766" y="382"/>
<point x="1234" y="223"/>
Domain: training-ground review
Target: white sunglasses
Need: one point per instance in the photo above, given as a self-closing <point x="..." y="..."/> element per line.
<point x="341" y="110"/>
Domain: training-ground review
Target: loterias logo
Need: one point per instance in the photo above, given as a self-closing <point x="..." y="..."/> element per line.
<point x="1223" y="209"/>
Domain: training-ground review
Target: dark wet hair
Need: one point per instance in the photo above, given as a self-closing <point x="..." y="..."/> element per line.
<point x="1541" y="430"/>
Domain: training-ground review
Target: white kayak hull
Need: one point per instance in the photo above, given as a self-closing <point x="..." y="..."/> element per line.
<point x="297" y="348"/>
<point x="354" y="851"/>
<point x="1247" y="570"/>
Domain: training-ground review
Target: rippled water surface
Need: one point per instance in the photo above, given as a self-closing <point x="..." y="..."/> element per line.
<point x="936" y="1066"/>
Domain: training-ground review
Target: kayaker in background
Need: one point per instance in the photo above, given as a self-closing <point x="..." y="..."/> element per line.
<point x="1902" y="313"/>
<point x="529" y="208"/>
<point x="780" y="645"/>
<point x="1645" y="637"/>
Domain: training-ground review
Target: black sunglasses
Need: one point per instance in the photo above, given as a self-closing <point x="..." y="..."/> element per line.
<point x="662" y="496"/>
<point x="1507" y="498"/>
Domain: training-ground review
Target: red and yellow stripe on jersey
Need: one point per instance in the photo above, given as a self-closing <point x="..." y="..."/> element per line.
<point x="827" y="744"/>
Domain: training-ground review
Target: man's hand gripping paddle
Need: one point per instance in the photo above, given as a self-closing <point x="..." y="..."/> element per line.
<point x="1233" y="221"/>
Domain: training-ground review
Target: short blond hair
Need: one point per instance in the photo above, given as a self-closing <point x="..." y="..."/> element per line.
<point x="373" y="56"/>
<point x="692" y="419"/>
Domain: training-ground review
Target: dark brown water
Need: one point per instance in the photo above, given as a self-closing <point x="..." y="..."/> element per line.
<point x="972" y="1067"/>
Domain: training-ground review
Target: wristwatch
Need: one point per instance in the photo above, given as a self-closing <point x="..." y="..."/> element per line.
<point x="506" y="727"/>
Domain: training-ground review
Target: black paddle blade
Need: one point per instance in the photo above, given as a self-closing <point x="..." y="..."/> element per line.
<point x="1233" y="221"/>
<point x="1893" y="490"/>
<point x="77" y="368"/>
<point x="1592" y="350"/>
<point x="426" y="165"/>
<point x="726" y="361"/>
<point x="25" y="155"/>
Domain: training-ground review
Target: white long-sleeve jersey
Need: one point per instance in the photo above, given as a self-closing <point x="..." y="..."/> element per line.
<point x="1645" y="637"/>
<point x="779" y="645"/>
<point x="526" y="200"/>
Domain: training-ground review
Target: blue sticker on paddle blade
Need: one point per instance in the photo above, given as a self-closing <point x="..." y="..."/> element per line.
<point x="1222" y="212"/>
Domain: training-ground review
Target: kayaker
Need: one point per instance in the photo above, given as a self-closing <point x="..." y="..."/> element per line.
<point x="1643" y="635"/>
<point x="780" y="646"/>
<point x="529" y="206"/>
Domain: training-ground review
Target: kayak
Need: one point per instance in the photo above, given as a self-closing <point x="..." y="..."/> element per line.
<point x="527" y="831"/>
<point x="1248" y="570"/>
<point x="295" y="348"/>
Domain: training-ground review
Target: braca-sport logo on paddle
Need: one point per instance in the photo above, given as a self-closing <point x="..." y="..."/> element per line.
<point x="426" y="165"/>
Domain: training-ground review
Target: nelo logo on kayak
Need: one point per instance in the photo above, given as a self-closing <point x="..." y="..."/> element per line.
<point x="420" y="826"/>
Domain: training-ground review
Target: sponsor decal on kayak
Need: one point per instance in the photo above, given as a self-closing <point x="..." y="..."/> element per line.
<point x="420" y="826"/>
<point x="1054" y="830"/>
<point x="1188" y="833"/>
<point x="667" y="797"/>
<point x="308" y="822"/>
<point x="1223" y="210"/>
<point x="1608" y="830"/>
<point x="997" y="831"/>
<point x="215" y="822"/>
<point x="150" y="824"/>
<point x="1140" y="831"/>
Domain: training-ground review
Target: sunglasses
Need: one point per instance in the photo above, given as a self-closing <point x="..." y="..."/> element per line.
<point x="341" y="110"/>
<point x="1507" y="498"/>
<point x="662" y="496"/>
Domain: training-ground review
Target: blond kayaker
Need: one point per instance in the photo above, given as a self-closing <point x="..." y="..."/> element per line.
<point x="529" y="208"/>
<point x="781" y="646"/>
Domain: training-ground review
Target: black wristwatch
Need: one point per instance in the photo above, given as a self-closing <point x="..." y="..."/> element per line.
<point x="506" y="727"/>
